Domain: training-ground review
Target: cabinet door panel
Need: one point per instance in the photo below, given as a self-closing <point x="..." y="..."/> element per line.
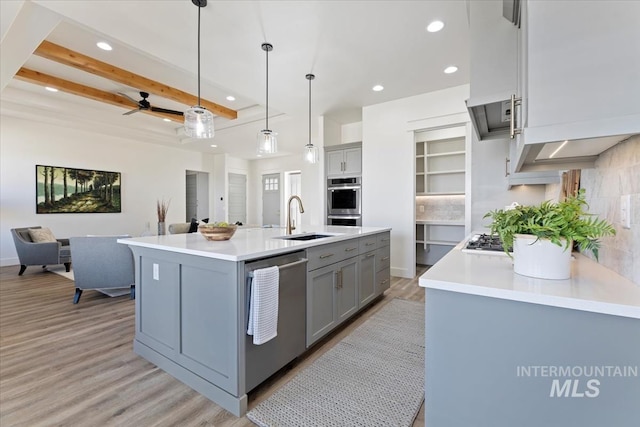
<point x="383" y="281"/>
<point x="207" y="299"/>
<point x="321" y="289"/>
<point x="334" y="162"/>
<point x="353" y="161"/>
<point x="348" y="289"/>
<point x="367" y="278"/>
<point x="157" y="300"/>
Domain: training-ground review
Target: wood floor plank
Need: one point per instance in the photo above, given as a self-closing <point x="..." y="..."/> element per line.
<point x="73" y="365"/>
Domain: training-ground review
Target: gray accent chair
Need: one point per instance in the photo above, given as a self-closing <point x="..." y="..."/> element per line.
<point x="179" y="228"/>
<point x="100" y="262"/>
<point x="46" y="253"/>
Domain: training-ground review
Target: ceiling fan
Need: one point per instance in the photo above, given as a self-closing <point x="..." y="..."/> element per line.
<point x="143" y="104"/>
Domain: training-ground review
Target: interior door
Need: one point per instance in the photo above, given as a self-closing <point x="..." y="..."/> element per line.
<point x="271" y="199"/>
<point x="237" y="198"/>
<point x="197" y="195"/>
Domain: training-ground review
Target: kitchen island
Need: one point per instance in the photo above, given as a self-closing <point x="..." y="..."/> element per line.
<point x="192" y="300"/>
<point x="506" y="350"/>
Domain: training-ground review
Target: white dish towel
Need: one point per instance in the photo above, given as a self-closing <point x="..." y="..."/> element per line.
<point x="263" y="307"/>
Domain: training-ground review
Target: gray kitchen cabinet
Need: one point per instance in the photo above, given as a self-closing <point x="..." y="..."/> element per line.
<point x="344" y="161"/>
<point x="321" y="302"/>
<point x="332" y="297"/>
<point x="367" y="288"/>
<point x="383" y="264"/>
<point x="347" y="288"/>
<point x="178" y="297"/>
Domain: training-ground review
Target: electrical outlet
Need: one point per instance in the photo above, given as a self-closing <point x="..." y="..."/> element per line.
<point x="625" y="211"/>
<point x="421" y="208"/>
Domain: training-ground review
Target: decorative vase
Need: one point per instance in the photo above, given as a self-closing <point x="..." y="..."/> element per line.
<point x="161" y="229"/>
<point x="540" y="258"/>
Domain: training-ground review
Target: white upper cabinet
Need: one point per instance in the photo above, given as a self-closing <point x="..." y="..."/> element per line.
<point x="582" y="81"/>
<point x="494" y="69"/>
<point x="575" y="67"/>
<point x="344" y="161"/>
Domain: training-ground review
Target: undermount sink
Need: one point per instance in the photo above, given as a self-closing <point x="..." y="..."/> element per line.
<point x="311" y="236"/>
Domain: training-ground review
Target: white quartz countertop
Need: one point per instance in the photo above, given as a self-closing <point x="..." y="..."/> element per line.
<point x="591" y="287"/>
<point x="249" y="243"/>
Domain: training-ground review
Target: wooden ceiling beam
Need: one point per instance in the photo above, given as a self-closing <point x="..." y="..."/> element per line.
<point x="42" y="79"/>
<point x="82" y="62"/>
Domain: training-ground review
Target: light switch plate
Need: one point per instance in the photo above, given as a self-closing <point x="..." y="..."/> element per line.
<point x="625" y="211"/>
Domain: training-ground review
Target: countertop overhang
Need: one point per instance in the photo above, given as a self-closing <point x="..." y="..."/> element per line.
<point x="248" y="243"/>
<point x="591" y="287"/>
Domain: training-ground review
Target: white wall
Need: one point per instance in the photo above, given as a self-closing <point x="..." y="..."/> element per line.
<point x="149" y="172"/>
<point x="388" y="165"/>
<point x="489" y="183"/>
<point x="312" y="193"/>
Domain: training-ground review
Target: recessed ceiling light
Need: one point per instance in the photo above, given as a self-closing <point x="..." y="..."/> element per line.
<point x="51" y="89"/>
<point x="450" y="69"/>
<point x="166" y="120"/>
<point x="104" y="46"/>
<point x="231" y="98"/>
<point x="378" y="88"/>
<point x="435" y="26"/>
<point x="214" y="146"/>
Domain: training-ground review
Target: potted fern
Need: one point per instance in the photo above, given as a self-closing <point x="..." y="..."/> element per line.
<point x="541" y="237"/>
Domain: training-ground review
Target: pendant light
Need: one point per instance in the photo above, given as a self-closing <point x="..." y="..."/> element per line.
<point x="310" y="152"/>
<point x="267" y="143"/>
<point x="198" y="121"/>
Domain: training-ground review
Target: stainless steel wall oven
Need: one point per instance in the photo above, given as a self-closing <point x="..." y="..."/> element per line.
<point x="344" y="196"/>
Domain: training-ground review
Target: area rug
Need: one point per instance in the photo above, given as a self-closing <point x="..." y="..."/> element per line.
<point x="373" y="377"/>
<point x="112" y="292"/>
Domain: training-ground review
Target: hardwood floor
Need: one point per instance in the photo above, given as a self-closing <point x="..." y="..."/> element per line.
<point x="73" y="365"/>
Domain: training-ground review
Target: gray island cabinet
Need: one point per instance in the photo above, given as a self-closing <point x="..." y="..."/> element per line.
<point x="506" y="350"/>
<point x="192" y="301"/>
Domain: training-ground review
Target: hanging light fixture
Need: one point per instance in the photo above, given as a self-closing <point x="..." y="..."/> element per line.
<point x="310" y="151"/>
<point x="267" y="143"/>
<point x="198" y="121"/>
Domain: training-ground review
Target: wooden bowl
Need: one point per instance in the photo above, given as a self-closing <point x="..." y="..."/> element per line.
<point x="211" y="232"/>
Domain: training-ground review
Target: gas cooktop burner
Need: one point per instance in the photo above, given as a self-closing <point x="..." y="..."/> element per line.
<point x="484" y="242"/>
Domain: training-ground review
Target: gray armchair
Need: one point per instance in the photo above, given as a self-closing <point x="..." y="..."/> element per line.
<point x="100" y="262"/>
<point x="45" y="253"/>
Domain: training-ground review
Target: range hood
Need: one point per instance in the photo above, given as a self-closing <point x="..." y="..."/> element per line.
<point x="491" y="119"/>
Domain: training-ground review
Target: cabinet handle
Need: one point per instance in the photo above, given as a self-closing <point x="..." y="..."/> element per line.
<point x="506" y="166"/>
<point x="350" y="249"/>
<point x="369" y="244"/>
<point x="370" y="255"/>
<point x="384" y="281"/>
<point x="512" y="125"/>
<point x="339" y="279"/>
<point x="385" y="258"/>
<point x="325" y="256"/>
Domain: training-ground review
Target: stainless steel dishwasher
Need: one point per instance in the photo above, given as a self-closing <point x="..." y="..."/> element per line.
<point x="264" y="360"/>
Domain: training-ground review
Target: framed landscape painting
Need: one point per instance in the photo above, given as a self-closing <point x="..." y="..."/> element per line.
<point x="69" y="190"/>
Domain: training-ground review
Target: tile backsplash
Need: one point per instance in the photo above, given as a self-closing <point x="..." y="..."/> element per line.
<point x="617" y="173"/>
<point x="440" y="208"/>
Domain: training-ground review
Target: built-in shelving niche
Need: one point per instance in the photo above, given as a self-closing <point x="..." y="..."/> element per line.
<point x="440" y="192"/>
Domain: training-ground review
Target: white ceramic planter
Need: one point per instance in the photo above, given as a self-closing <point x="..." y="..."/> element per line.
<point x="540" y="258"/>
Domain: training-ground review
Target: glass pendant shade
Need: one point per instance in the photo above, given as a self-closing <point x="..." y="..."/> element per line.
<point x="198" y="122"/>
<point x="267" y="142"/>
<point x="310" y="153"/>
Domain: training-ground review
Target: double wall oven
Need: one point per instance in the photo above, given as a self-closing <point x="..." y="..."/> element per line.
<point x="344" y="201"/>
